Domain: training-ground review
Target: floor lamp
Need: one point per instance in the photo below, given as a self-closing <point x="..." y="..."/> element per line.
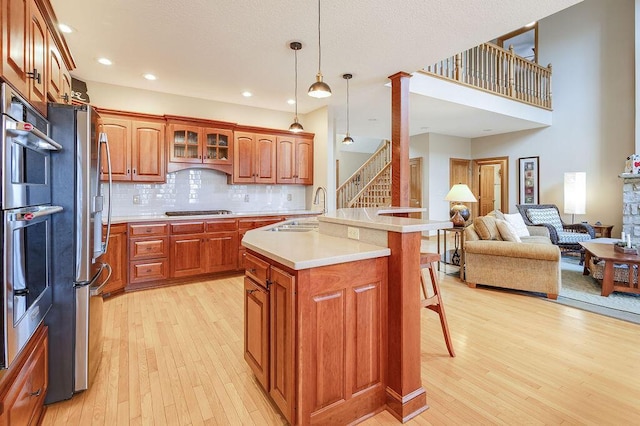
<point x="575" y="193"/>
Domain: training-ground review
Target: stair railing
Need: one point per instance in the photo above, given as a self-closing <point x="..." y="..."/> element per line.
<point x="377" y="192"/>
<point x="363" y="176"/>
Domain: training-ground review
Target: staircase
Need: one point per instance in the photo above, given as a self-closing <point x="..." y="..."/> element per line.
<point x="370" y="185"/>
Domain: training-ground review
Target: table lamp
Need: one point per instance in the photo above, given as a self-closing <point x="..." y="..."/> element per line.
<point x="460" y="193"/>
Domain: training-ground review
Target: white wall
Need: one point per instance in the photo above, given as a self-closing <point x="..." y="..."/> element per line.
<point x="591" y="48"/>
<point x="324" y="174"/>
<point x="349" y="162"/>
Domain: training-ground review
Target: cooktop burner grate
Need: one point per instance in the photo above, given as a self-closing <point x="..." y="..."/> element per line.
<point x="197" y="212"/>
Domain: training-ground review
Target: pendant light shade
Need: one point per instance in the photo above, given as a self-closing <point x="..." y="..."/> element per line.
<point x="319" y="89"/>
<point x="348" y="140"/>
<point x="295" y="126"/>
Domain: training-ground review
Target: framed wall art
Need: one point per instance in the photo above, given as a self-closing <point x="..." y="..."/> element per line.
<point x="529" y="180"/>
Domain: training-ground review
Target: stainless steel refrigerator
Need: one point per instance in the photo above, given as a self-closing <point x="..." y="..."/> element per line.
<point x="75" y="319"/>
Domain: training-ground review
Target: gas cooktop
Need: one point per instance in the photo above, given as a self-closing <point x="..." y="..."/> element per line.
<point x="197" y="212"/>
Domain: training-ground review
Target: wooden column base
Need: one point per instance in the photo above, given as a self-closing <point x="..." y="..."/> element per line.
<point x="404" y="409"/>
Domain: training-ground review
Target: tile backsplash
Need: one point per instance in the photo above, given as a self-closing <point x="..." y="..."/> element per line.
<point x="202" y="189"/>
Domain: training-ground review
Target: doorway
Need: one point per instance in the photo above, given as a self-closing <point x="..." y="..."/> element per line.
<point x="491" y="185"/>
<point x="415" y="185"/>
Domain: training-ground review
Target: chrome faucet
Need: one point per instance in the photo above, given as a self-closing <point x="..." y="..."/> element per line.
<point x="316" y="198"/>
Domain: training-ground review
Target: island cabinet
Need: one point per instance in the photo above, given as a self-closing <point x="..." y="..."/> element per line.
<point x="202" y="247"/>
<point x="148" y="254"/>
<point x="314" y="338"/>
<point x="247" y="224"/>
<point x="24" y="385"/>
<point x="116" y="257"/>
<point x="295" y="159"/>
<point x="199" y="143"/>
<point x="136" y="145"/>
<point x="254" y="158"/>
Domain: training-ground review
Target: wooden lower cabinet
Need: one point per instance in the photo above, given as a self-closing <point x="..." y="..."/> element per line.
<point x="326" y="339"/>
<point x="148" y="253"/>
<point x="116" y="257"/>
<point x="256" y="337"/>
<point x="25" y="384"/>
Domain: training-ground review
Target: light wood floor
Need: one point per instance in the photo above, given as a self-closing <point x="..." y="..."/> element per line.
<point x="173" y="356"/>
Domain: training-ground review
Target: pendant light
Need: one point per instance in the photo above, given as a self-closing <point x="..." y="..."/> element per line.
<point x="295" y="126"/>
<point x="347" y="139"/>
<point x="319" y="89"/>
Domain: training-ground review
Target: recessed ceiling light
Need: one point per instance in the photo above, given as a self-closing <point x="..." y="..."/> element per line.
<point x="104" y="61"/>
<point x="247" y="94"/>
<point x="530" y="24"/>
<point x="65" y="28"/>
<point x="291" y="101"/>
<point x="150" y="77"/>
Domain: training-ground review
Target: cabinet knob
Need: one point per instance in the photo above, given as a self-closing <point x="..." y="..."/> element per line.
<point x="251" y="291"/>
<point x="252" y="270"/>
<point x="134" y="171"/>
<point x="36" y="393"/>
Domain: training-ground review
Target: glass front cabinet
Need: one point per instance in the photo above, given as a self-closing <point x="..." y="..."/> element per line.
<point x="199" y="145"/>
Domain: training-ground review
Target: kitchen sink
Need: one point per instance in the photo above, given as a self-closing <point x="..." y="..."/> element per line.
<point x="296" y="226"/>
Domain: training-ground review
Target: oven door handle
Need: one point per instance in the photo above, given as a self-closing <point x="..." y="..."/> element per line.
<point x="26" y="215"/>
<point x="97" y="290"/>
<point x="21" y="128"/>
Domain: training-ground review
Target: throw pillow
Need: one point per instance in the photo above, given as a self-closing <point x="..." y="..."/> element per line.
<point x="507" y="231"/>
<point x="517" y="222"/>
<point x="550" y="216"/>
<point x="497" y="214"/>
<point x="486" y="228"/>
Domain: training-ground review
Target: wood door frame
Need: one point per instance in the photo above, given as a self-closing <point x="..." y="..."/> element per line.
<point x="417" y="160"/>
<point x="503" y="162"/>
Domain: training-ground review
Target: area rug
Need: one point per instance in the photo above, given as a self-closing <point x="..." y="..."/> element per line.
<point x="583" y="292"/>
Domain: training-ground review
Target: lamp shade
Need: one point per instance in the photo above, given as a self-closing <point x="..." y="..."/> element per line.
<point x="575" y="192"/>
<point x="460" y="193"/>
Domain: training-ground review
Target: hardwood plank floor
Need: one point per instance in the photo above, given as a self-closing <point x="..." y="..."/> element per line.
<point x="174" y="356"/>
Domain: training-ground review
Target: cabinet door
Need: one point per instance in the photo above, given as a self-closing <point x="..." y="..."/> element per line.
<point x="304" y="161"/>
<point x="286" y="169"/>
<point x="54" y="72"/>
<point x="243" y="154"/>
<point x="119" y="135"/>
<point x="256" y="331"/>
<point x="66" y="86"/>
<point x="282" y="349"/>
<point x="39" y="53"/>
<point x="187" y="255"/>
<point x="217" y="147"/>
<point x="116" y="257"/>
<point x="184" y="144"/>
<point x="265" y="159"/>
<point x="15" y="43"/>
<point x="147" y="152"/>
<point x="221" y="251"/>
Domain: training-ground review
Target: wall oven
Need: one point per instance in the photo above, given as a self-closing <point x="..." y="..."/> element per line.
<point x="25" y="223"/>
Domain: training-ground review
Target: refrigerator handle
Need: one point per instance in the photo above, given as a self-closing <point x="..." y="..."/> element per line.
<point x="97" y="290"/>
<point x="104" y="140"/>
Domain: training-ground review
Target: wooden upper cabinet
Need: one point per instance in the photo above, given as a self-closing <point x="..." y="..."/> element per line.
<point x="295" y="160"/>
<point x="118" y="133"/>
<point x="59" y="80"/>
<point x="15" y="43"/>
<point x="216" y="148"/>
<point x="193" y="143"/>
<point x="37" y="75"/>
<point x="147" y="151"/>
<point x="185" y="144"/>
<point x="254" y="158"/>
<point x="137" y="150"/>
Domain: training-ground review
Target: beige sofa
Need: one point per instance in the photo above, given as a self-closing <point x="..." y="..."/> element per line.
<point x="530" y="265"/>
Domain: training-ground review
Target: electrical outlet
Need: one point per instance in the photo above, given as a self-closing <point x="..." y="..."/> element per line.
<point x="246" y="198"/>
<point x="353" y="233"/>
<point x="136" y="199"/>
<point x="289" y="197"/>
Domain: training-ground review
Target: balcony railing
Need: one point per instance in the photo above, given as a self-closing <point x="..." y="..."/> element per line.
<point x="496" y="70"/>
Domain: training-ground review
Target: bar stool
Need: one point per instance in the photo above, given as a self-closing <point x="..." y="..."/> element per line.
<point x="432" y="299"/>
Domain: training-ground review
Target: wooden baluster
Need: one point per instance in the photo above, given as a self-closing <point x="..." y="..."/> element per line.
<point x="512" y="74"/>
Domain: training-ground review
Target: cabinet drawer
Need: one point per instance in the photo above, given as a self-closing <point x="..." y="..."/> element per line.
<point x="222" y="225"/>
<point x="147" y="229"/>
<point x="148" y="270"/>
<point x="257" y="269"/>
<point x="145" y="248"/>
<point x="187" y="228"/>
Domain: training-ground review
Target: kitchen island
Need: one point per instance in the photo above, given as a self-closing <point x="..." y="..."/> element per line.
<point x="332" y="315"/>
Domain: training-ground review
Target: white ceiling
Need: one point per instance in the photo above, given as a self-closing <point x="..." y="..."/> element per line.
<point x="216" y="49"/>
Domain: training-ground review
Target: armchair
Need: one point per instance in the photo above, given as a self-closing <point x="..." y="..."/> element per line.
<point x="566" y="236"/>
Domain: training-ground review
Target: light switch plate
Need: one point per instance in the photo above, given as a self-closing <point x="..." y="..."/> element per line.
<point x="353" y="233"/>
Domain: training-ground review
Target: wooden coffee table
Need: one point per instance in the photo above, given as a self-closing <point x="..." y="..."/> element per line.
<point x="604" y="251"/>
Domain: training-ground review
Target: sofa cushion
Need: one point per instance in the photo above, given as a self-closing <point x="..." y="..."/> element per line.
<point x="549" y="216"/>
<point x="497" y="214"/>
<point x="572" y="237"/>
<point x="486" y="228"/>
<point x="507" y="232"/>
<point x="517" y="222"/>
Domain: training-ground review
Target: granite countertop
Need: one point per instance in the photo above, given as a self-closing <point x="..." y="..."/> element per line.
<point x="303" y="250"/>
<point x="150" y="217"/>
